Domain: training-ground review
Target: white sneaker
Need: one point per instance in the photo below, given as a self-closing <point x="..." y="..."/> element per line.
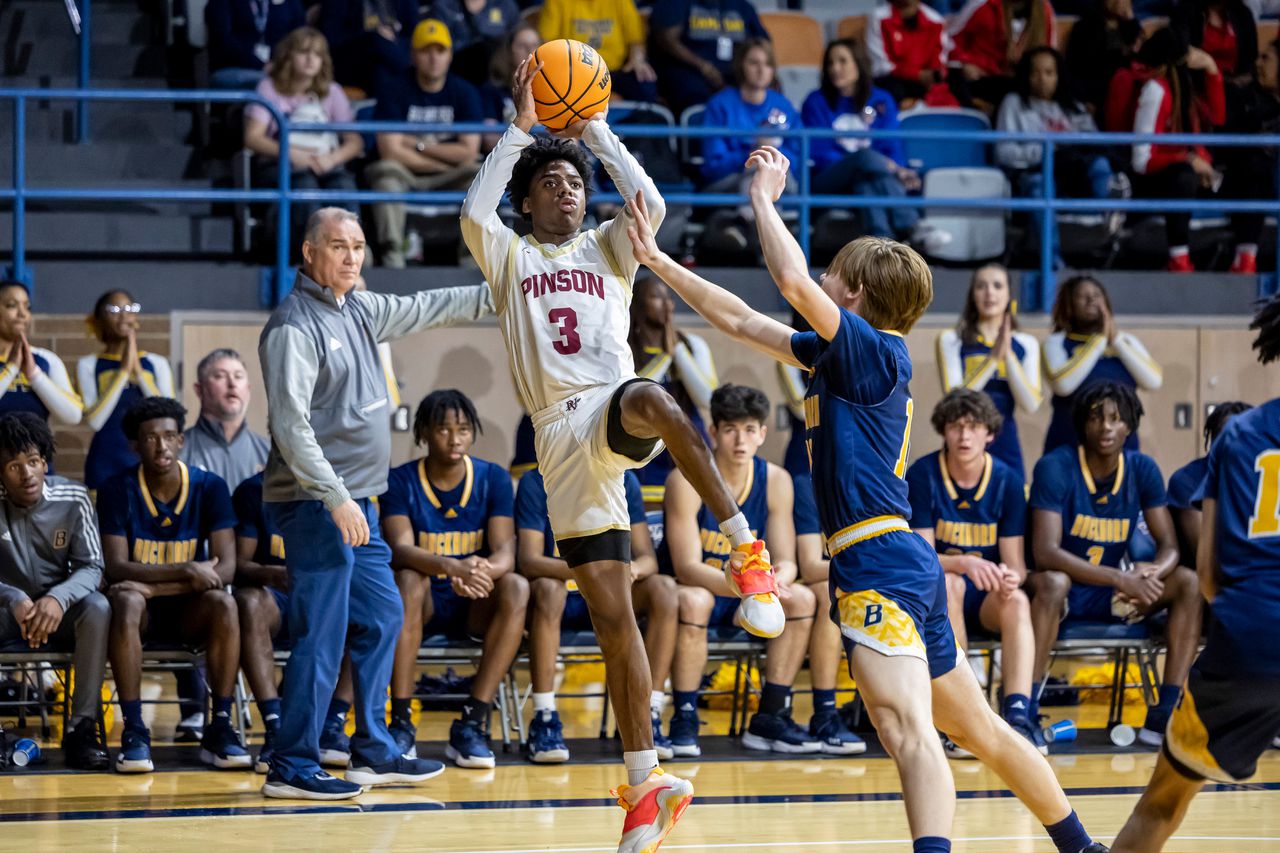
<point x="749" y="573"/>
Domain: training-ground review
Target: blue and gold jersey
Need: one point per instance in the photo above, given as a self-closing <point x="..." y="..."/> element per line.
<point x="531" y="506"/>
<point x="804" y="511"/>
<point x="1186" y="482"/>
<point x="251" y="523"/>
<point x="1062" y="431"/>
<point x="453" y="523"/>
<point x="109" y="450"/>
<point x="1097" y="517"/>
<point x="858" y="413"/>
<point x="161" y="533"/>
<point x="973" y="354"/>
<point x="967" y="521"/>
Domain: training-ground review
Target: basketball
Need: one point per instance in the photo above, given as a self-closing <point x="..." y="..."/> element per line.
<point x="572" y="85"/>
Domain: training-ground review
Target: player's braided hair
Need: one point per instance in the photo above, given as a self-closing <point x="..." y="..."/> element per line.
<point x="150" y="409"/>
<point x="966" y="404"/>
<point x="436" y="405"/>
<point x="544" y="150"/>
<point x="1217" y="420"/>
<point x="1093" y="395"/>
<point x="21" y="432"/>
<point x="1267" y="322"/>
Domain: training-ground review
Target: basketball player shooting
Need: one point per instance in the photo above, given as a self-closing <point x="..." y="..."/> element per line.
<point x="562" y="297"/>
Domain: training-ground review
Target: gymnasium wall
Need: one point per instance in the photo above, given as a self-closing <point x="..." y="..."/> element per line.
<point x="1205" y="361"/>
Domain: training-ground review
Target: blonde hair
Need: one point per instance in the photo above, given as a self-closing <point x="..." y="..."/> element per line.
<point x="297" y="41"/>
<point x="895" y="282"/>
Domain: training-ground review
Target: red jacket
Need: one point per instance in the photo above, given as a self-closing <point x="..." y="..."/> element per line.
<point x="981" y="40"/>
<point x="1142" y="102"/>
<point x="903" y="52"/>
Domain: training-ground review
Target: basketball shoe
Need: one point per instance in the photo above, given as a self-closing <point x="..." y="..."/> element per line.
<point x="749" y="573"/>
<point x="652" y="807"/>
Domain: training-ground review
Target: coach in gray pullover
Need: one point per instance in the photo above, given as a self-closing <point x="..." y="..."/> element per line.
<point x="330" y="452"/>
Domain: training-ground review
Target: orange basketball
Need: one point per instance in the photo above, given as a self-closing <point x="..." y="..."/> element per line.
<point x="572" y="85"/>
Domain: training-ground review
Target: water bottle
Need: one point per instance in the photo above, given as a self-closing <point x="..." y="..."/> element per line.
<point x="25" y="751"/>
<point x="1122" y="735"/>
<point x="1063" y="731"/>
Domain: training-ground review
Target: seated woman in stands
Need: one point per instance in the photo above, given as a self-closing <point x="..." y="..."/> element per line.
<point x="300" y="84"/>
<point x="1086" y="347"/>
<point x="113" y="381"/>
<point x="847" y="100"/>
<point x="32" y="379"/>
<point x="990" y="38"/>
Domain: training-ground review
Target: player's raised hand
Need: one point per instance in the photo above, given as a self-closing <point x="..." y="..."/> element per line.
<point x="770" y="167"/>
<point x="522" y="94"/>
<point x="640" y="231"/>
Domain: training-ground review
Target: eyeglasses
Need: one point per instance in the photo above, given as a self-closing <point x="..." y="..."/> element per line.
<point x="131" y="308"/>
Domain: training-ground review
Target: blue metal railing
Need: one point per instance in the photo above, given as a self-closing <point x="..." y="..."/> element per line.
<point x="1035" y="298"/>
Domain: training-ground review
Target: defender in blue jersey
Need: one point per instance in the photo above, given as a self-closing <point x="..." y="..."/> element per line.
<point x="1086" y="504"/>
<point x="555" y="602"/>
<point x="1186" y="481"/>
<point x="973" y="509"/>
<point x="168" y="537"/>
<point x="695" y="549"/>
<point x="1230" y="712"/>
<point x="888" y="589"/>
<point x="447" y="518"/>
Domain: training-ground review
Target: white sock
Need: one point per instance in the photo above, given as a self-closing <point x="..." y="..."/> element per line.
<point x="737" y="529"/>
<point x="544" y="702"/>
<point x="639" y="765"/>
<point x="1178" y="251"/>
<point x="657" y="701"/>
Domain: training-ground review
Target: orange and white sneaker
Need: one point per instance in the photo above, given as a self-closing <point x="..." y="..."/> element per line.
<point x="652" y="807"/>
<point x="748" y="571"/>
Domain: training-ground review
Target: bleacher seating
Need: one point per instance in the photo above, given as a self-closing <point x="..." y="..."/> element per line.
<point x="852" y="27"/>
<point x="925" y="154"/>
<point x="797" y="44"/>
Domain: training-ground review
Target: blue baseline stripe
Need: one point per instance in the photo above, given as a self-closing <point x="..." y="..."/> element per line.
<point x="593" y="802"/>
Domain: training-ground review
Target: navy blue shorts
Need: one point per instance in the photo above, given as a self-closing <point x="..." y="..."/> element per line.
<point x="725" y="609"/>
<point x="450" y="613"/>
<point x="973" y="599"/>
<point x="1225" y="719"/>
<point x="281" y="598"/>
<point x="888" y="593"/>
<point x="1090" y="603"/>
<point x="576" y="616"/>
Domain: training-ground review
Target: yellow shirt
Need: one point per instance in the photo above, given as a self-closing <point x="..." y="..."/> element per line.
<point x="609" y="26"/>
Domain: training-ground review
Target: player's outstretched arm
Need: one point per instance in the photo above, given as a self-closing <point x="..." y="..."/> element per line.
<point x="782" y="253"/>
<point x="717" y="306"/>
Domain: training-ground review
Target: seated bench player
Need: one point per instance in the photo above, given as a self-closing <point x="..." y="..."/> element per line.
<point x="50" y="571"/>
<point x="447" y="518"/>
<point x="1184" y="482"/>
<point x="555" y="603"/>
<point x="1086" y="501"/>
<point x="697" y="552"/>
<point x="168" y="535"/>
<point x="972" y="508"/>
<point x="825" y="648"/>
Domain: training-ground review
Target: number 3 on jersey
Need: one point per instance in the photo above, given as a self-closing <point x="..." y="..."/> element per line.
<point x="566" y="322"/>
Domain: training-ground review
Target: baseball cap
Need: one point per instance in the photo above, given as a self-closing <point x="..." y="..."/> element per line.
<point x="431" y="31"/>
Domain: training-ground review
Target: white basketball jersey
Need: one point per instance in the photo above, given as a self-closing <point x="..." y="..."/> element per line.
<point x="564" y="310"/>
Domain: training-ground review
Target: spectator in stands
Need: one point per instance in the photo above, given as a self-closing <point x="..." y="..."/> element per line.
<point x="908" y="44"/>
<point x="50" y="571"/>
<point x="435" y="160"/>
<point x="220" y="441"/>
<point x="695" y="45"/>
<point x="679" y="361"/>
<point x="615" y="29"/>
<point x="1251" y="171"/>
<point x="696" y="551"/>
<point x="1186" y="481"/>
<point x="1085" y="346"/>
<point x="973" y="509"/>
<point x="369" y="39"/>
<point x="1102" y="42"/>
<point x="495" y="94"/>
<point x="478" y="27"/>
<point x="1159" y="96"/>
<point x="825" y="647"/>
<point x="300" y="84"/>
<point x="556" y="603"/>
<point x="757" y="106"/>
<point x="847" y="100"/>
<point x="1224" y="29"/>
<point x="33" y="379"/>
<point x="1086" y="501"/>
<point x="448" y="520"/>
<point x="986" y="352"/>
<point x="242" y="34"/>
<point x="113" y="381"/>
<point x="990" y="38"/>
<point x="168" y="534"/>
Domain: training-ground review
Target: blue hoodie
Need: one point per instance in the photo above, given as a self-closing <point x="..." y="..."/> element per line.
<point x="727" y="155"/>
<point x="818" y="113"/>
